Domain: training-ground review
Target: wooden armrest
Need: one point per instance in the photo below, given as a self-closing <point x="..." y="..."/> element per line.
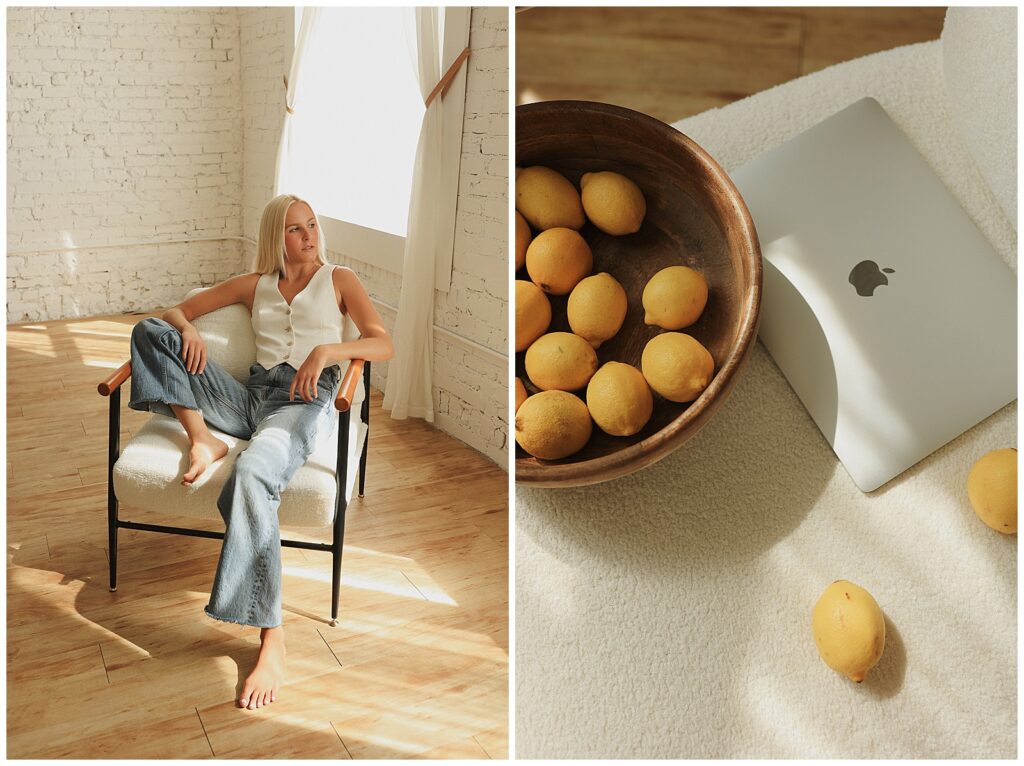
<point x="123" y="372"/>
<point x="347" y="389"/>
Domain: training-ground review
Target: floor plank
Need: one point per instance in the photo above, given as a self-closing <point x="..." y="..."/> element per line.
<point x="674" y="62"/>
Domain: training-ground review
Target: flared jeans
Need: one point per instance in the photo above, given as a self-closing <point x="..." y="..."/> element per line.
<point x="281" y="432"/>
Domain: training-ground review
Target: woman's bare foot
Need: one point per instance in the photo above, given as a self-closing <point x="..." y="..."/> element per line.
<point x="204" y="450"/>
<point x="260" y="688"/>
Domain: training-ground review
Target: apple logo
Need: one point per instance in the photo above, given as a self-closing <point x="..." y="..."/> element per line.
<point x="866" y="276"/>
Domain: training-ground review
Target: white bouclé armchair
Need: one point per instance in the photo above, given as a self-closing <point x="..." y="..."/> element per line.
<point x="147" y="473"/>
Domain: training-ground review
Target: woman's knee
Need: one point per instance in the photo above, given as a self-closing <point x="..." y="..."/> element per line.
<point x="254" y="470"/>
<point x="151" y="331"/>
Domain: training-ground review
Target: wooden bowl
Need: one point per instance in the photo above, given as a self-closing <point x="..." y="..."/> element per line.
<point x="695" y="217"/>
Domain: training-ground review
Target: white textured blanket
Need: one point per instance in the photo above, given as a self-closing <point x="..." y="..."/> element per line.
<point x="667" y="614"/>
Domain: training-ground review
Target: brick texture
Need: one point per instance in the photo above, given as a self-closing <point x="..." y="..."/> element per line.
<point x="124" y="126"/>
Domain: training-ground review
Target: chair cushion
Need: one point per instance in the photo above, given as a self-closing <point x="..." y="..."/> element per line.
<point x="148" y="474"/>
<point x="231" y="342"/>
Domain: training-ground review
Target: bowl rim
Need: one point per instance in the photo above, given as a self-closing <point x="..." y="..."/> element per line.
<point x="662" y="442"/>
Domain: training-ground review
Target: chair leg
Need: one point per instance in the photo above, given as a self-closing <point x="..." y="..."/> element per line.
<point x="112" y="543"/>
<point x="365" y="413"/>
<point x="336" y="550"/>
<point x="113" y="451"/>
<point x="362" y="465"/>
<point x="340" y="503"/>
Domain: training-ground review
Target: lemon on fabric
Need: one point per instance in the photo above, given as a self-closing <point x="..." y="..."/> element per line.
<point x="992" y="489"/>
<point x="612" y="202"/>
<point x="596" y="308"/>
<point x="677" y="366"/>
<point x="849" y="629"/>
<point x="547" y="199"/>
<point x="619" y="399"/>
<point x="520" y="394"/>
<point x="674" y="298"/>
<point x="533" y="313"/>
<point x="560" y="360"/>
<point x="523" y="237"/>
<point x="557" y="259"/>
<point x="552" y="425"/>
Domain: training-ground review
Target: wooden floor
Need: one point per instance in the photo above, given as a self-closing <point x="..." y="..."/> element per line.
<point x="675" y="62"/>
<point x="416" y="667"/>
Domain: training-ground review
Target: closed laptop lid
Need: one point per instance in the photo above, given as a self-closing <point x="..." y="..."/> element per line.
<point x="887" y="310"/>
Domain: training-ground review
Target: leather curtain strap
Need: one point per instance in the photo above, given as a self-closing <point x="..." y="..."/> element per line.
<point x="286" y="107"/>
<point x="442" y="86"/>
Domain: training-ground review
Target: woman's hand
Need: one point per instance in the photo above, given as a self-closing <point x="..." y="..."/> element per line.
<point x="193" y="350"/>
<point x="305" y="380"/>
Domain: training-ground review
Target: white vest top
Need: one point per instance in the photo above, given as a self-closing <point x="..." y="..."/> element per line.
<point x="288" y="333"/>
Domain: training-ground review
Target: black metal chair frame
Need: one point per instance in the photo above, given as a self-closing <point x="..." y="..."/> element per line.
<point x="114" y="523"/>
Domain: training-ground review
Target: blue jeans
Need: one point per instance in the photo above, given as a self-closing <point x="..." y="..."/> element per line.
<point x="281" y="434"/>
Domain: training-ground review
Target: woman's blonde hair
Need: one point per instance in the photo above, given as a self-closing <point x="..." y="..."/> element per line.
<point x="270" y="253"/>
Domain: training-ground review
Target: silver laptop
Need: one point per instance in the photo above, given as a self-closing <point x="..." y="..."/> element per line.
<point x="887" y="310"/>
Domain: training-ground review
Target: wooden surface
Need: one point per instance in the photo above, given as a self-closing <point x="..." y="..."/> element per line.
<point x="347" y="389"/>
<point x="671" y="63"/>
<point x="417" y="666"/>
<point x="695" y="217"/>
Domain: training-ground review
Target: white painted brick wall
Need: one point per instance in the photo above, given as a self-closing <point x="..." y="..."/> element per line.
<point x="472" y="386"/>
<point x="124" y="126"/>
<point x="266" y="37"/>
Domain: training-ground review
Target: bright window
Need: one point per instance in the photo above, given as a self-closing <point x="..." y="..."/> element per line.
<point x="353" y="136"/>
<point x="358" y="117"/>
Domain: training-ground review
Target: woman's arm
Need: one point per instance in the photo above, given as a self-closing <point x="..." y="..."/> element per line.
<point x="235" y="290"/>
<point x="238" y="289"/>
<point x="374" y="345"/>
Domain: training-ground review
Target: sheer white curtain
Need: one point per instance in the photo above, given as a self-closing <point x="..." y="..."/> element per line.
<point x="282" y="182"/>
<point x="409" y="387"/>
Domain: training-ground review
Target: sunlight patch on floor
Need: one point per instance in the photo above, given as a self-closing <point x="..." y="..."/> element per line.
<point x="101" y="363"/>
<point x="376" y="554"/>
<point x="431" y="591"/>
<point x="30" y="343"/>
<point x="102" y="333"/>
<point x="369" y="583"/>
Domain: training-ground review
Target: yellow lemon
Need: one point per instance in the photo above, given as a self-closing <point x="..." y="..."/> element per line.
<point x="849" y="629"/>
<point x="523" y="237"/>
<point x="992" y="489"/>
<point x="533" y="313"/>
<point x="560" y="360"/>
<point x="520" y="394"/>
<point x="547" y="199"/>
<point x="674" y="298"/>
<point x="612" y="202"/>
<point x="557" y="259"/>
<point x="552" y="425"/>
<point x="619" y="399"/>
<point x="677" y="366"/>
<point x="596" y="308"/>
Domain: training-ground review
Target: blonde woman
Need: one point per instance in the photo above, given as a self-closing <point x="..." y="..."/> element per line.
<point x="298" y="302"/>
